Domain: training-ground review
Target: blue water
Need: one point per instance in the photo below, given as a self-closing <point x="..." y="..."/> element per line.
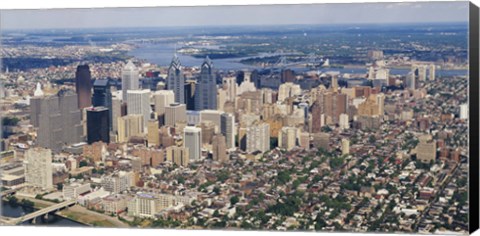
<point x="162" y="53"/>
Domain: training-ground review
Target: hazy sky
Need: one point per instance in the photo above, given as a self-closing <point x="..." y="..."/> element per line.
<point x="237" y="15"/>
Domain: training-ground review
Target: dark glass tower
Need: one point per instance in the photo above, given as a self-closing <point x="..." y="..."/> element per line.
<point x="176" y="80"/>
<point x="83" y="86"/>
<point x="190" y="94"/>
<point x="102" y="96"/>
<point x="206" y="88"/>
<point x="98" y="124"/>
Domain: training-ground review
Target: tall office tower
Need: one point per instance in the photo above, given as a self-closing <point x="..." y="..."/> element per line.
<point x="380" y="99"/>
<point x="213" y="116"/>
<point x="334" y="84"/>
<point x="334" y="104"/>
<point x="60" y="121"/>
<point x="83" y="86"/>
<point x="38" y="167"/>
<point x="192" y="139"/>
<point x="221" y="98"/>
<point x="153" y="133"/>
<point x="410" y="81"/>
<point x="176" y="80"/>
<point x="464" y="111"/>
<point x="178" y="155"/>
<point x="431" y="69"/>
<point x="174" y="113"/>
<point x="161" y="100"/>
<point x="116" y="109"/>
<point x="102" y="97"/>
<point x="287" y="138"/>
<point x="138" y="102"/>
<point x="345" y="146"/>
<point x="287" y="75"/>
<point x="190" y="94"/>
<point x="317" y="110"/>
<point x="258" y="138"/>
<point x="219" y="148"/>
<point x="227" y="129"/>
<point x="208" y="131"/>
<point x="129" y="79"/>
<point x="255" y="78"/>
<point x="287" y="90"/>
<point x="230" y="85"/>
<point x="205" y="91"/>
<point x="130" y="126"/>
<point x="98" y="123"/>
<point x="35" y="110"/>
<point x="344" y="122"/>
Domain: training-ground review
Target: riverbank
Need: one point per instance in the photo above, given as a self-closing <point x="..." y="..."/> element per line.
<point x="79" y="214"/>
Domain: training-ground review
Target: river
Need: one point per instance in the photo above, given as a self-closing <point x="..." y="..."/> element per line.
<point x="162" y="53"/>
<point x="17" y="211"/>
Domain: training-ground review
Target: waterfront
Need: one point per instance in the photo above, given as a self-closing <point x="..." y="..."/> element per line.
<point x="17" y="211"/>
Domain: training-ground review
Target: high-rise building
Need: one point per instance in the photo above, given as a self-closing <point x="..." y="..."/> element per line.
<point x="258" y="138"/>
<point x="287" y="138"/>
<point x="83" y="86"/>
<point x="102" y="96"/>
<point x="213" y="116"/>
<point x="153" y="133"/>
<point x="192" y="139"/>
<point x="190" y="94"/>
<point x="130" y="126"/>
<point x="116" y="109"/>
<point x="60" y="121"/>
<point x="287" y="90"/>
<point x="176" y="80"/>
<point x="219" y="148"/>
<point x="205" y="91"/>
<point x="344" y="122"/>
<point x="98" y="123"/>
<point x="178" y="155"/>
<point x="174" y="113"/>
<point x="129" y="79"/>
<point x="35" y="110"/>
<point x="230" y="85"/>
<point x="162" y="99"/>
<point x="38" y="167"/>
<point x="138" y="102"/>
<point x="227" y="129"/>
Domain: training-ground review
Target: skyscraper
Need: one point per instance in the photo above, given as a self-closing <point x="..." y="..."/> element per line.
<point x="83" y="86"/>
<point x="190" y="94"/>
<point x="287" y="138"/>
<point x="60" y="121"/>
<point x="130" y="126"/>
<point x="138" y="102"/>
<point x="178" y="155"/>
<point x="205" y="91"/>
<point x="258" y="138"/>
<point x="174" y="113"/>
<point x="219" y="148"/>
<point x="102" y="97"/>
<point x="38" y="167"/>
<point x="129" y="79"/>
<point x="162" y="99"/>
<point x="98" y="124"/>
<point x="192" y="139"/>
<point x="227" y="127"/>
<point x="176" y="80"/>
